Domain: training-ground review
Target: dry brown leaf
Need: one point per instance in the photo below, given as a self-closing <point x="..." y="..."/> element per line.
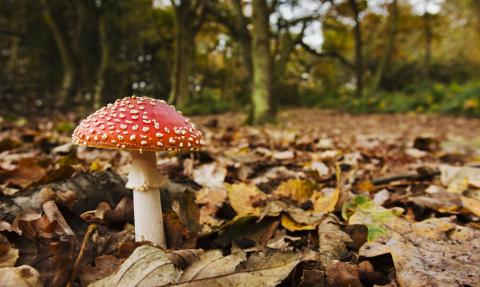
<point x="332" y="241"/>
<point x="104" y="266"/>
<point x="21" y="276"/>
<point x="184" y="257"/>
<point x="8" y="254"/>
<point x="433" y="252"/>
<point x="210" y="175"/>
<point x="25" y="174"/>
<point x="53" y="214"/>
<point x="340" y="274"/>
<point x="147" y="266"/>
<point x="265" y="268"/>
<point x="212" y="263"/>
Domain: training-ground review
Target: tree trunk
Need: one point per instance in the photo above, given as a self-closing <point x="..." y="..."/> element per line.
<point x="180" y="92"/>
<point x="262" y="64"/>
<point x="427" y="18"/>
<point x="65" y="56"/>
<point x="105" y="55"/>
<point x="358" y="49"/>
<point x="245" y="42"/>
<point x="389" y="48"/>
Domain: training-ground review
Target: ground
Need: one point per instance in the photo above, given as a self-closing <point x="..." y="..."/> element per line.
<point x="320" y="198"/>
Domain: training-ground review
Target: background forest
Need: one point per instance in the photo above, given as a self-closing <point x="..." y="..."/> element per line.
<point x="359" y="164"/>
<point x="213" y="56"/>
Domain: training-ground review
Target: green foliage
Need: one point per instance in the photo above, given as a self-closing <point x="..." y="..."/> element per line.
<point x="453" y="99"/>
<point x="208" y="102"/>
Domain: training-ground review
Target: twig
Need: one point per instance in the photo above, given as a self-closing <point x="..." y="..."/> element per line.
<point x="407" y="176"/>
<point x="91" y="228"/>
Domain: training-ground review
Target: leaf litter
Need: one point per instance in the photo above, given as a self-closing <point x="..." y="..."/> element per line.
<point x="361" y="201"/>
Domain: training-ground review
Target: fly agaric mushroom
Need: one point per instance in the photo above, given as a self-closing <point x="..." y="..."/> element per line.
<point x="141" y="126"/>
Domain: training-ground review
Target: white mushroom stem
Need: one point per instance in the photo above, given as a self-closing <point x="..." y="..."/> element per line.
<point x="145" y="179"/>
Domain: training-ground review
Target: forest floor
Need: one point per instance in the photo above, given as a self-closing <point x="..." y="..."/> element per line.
<point x="320" y="198"/>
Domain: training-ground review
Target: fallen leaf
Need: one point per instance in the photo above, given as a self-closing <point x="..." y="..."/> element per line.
<point x="25" y="174"/>
<point x="184" y="257"/>
<point x="332" y="241"/>
<point x="295" y="189"/>
<point x="326" y="200"/>
<point x="147" y="266"/>
<point x="243" y="198"/>
<point x="292" y="225"/>
<point x="458" y="179"/>
<point x="433" y="252"/>
<point x="21" y="276"/>
<point x="210" y="175"/>
<point x="104" y="266"/>
<point x="212" y="263"/>
<point x="9" y="143"/>
<point x="265" y="268"/>
<point x="341" y="274"/>
<point x="8" y="254"/>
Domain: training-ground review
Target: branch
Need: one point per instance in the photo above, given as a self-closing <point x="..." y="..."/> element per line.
<point x="331" y="54"/>
<point x="199" y="13"/>
<point x="223" y="16"/>
<point x="305" y="19"/>
<point x="419" y="176"/>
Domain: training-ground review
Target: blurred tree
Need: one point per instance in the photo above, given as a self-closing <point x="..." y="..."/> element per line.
<point x="427" y="62"/>
<point x="357" y="7"/>
<point x="388" y="49"/>
<point x="262" y="63"/>
<point x="65" y="55"/>
<point x="189" y="16"/>
<point x="104" y="60"/>
<point x="231" y="15"/>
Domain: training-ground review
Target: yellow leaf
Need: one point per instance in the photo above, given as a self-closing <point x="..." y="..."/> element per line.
<point x="365" y="186"/>
<point x="244" y="197"/>
<point x="323" y="203"/>
<point x="295" y="189"/>
<point x="472" y="204"/>
<point x="95" y="166"/>
<point x="291" y="225"/>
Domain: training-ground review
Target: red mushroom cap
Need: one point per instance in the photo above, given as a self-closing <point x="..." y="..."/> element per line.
<point x="138" y="123"/>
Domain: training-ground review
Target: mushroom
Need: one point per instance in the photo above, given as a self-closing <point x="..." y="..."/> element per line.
<point x="141" y="126"/>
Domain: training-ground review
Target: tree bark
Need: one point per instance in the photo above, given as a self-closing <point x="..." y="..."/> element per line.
<point x="180" y="93"/>
<point x="427" y="18"/>
<point x="65" y="56"/>
<point x="89" y="189"/>
<point x="388" y="50"/>
<point x="245" y="42"/>
<point x="105" y="55"/>
<point x="262" y="64"/>
<point x="358" y="48"/>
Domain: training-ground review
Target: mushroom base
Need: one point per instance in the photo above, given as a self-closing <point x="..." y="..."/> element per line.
<point x="148" y="217"/>
<point x="145" y="179"/>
